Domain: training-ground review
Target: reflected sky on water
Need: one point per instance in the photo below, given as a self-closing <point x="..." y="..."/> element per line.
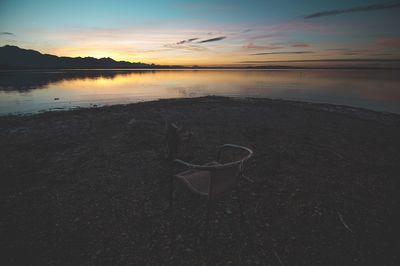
<point x="33" y="91"/>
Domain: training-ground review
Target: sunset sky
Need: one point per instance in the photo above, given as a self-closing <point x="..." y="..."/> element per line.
<point x="205" y="32"/>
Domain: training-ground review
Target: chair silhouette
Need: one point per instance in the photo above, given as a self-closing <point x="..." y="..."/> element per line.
<point x="214" y="179"/>
<point x="177" y="146"/>
<point x="178" y="140"/>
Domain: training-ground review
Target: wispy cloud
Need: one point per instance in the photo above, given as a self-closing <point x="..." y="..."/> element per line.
<point x="274" y="53"/>
<point x="213" y="39"/>
<point x="7" y="33"/>
<point x="252" y="46"/>
<point x="187" y="41"/>
<point x="189" y="44"/>
<point x="352" y="9"/>
<point x="281" y="31"/>
<point x="395" y="42"/>
<point x="190" y="47"/>
<point x="302" y="45"/>
<point x="337" y="49"/>
<point x="265" y="36"/>
<point x="357" y="52"/>
<point x="383" y="54"/>
<point x="321" y="60"/>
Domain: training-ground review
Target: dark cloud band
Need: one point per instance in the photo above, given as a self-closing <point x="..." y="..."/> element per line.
<point x="7" y="33"/>
<point x="296" y="52"/>
<point x="320" y="60"/>
<point x="187" y="41"/>
<point x="353" y="9"/>
<point x="213" y="39"/>
<point x="203" y="41"/>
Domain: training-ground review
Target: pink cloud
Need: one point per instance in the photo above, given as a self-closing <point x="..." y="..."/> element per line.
<point x="303" y="45"/>
<point x="300" y="25"/>
<point x="252" y="46"/>
<point x="394" y="41"/>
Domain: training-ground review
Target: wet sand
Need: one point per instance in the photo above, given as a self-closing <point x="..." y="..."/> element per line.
<point x="90" y="186"/>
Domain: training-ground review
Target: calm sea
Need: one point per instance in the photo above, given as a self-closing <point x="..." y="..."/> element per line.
<point x="34" y="91"/>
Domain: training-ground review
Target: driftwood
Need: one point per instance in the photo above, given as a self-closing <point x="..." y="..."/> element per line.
<point x="344" y="223"/>
<point x="278" y="258"/>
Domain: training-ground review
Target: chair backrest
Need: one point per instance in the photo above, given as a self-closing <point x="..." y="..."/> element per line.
<point x="177" y="141"/>
<point x="223" y="179"/>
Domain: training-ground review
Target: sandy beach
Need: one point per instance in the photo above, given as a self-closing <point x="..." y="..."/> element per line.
<point x="90" y="186"/>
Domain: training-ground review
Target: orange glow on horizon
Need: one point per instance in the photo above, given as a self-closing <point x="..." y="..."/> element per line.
<point x="199" y="58"/>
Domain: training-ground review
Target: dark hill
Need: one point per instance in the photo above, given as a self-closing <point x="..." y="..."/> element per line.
<point x="13" y="57"/>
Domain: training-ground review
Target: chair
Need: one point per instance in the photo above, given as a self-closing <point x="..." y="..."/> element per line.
<point x="178" y="140"/>
<point x="214" y="179"/>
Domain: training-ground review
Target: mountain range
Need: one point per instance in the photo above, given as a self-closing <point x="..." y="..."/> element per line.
<point x="13" y="57"/>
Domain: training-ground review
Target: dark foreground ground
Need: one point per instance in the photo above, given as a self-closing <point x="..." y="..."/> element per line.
<point x="89" y="187"/>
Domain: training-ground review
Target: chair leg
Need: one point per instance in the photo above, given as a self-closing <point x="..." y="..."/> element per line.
<point x="208" y="217"/>
<point x="171" y="191"/>
<point x="247" y="178"/>
<point x="207" y="232"/>
<point x="240" y="204"/>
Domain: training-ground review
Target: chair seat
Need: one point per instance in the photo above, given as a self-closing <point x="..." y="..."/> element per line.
<point x="197" y="180"/>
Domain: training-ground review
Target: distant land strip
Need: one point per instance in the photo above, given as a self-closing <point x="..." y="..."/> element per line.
<point x="15" y="58"/>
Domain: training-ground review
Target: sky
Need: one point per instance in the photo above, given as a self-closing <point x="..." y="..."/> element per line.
<point x="206" y="33"/>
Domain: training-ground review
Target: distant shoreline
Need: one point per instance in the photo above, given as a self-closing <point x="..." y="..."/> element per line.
<point x="14" y="58"/>
<point x="316" y="107"/>
<point x="206" y="68"/>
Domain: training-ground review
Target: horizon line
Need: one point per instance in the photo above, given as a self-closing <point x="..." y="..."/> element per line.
<point x="236" y="64"/>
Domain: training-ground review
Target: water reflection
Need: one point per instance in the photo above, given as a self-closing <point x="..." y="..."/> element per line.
<point x="30" y="91"/>
<point x="24" y="81"/>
